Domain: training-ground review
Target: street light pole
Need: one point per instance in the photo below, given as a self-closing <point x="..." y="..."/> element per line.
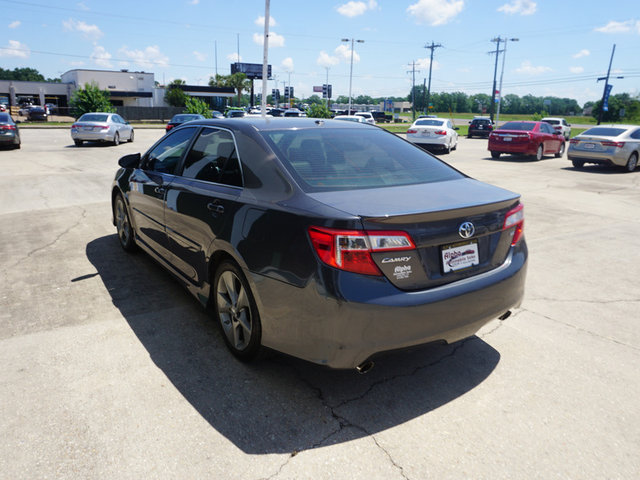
<point x="504" y="55"/>
<point x="351" y="69"/>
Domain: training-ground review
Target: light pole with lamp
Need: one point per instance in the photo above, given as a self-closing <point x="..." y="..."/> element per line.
<point x="351" y="70"/>
<point x="504" y="55"/>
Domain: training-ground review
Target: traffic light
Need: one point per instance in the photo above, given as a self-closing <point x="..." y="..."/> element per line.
<point x="291" y="95"/>
<point x="325" y="90"/>
<point x="329" y="91"/>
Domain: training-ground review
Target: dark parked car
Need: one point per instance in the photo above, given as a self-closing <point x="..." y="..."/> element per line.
<point x="330" y="241"/>
<point x="526" y="138"/>
<point x="480" y="127"/>
<point x="181" y="118"/>
<point x="9" y="132"/>
<point x="38" y="114"/>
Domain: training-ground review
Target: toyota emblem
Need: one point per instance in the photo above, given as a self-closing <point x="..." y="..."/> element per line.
<point x="466" y="230"/>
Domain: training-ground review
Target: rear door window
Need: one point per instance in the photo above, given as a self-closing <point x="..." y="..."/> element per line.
<point x="213" y="158"/>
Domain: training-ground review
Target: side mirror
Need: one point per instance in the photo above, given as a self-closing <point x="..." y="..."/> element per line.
<point x="456" y="128"/>
<point x="130" y="161"/>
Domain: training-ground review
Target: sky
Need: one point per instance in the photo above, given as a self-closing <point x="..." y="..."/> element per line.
<point x="562" y="46"/>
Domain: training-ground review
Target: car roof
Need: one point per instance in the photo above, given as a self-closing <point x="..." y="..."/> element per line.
<point x="275" y="123"/>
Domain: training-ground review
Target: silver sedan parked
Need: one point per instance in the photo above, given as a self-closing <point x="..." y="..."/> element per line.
<point x="101" y="127"/>
<point x="606" y="145"/>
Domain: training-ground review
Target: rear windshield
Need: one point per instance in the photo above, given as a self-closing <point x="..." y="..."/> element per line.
<point x="524" y="126"/>
<point x="352" y="158"/>
<point x="432" y="123"/>
<point x="605" y="131"/>
<point x="185" y="118"/>
<point x="481" y="122"/>
<point x="4" y="117"/>
<point x="93" y="117"/>
<point x="552" y="122"/>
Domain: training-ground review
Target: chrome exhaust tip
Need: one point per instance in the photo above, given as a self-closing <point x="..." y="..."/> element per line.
<point x="364" y="367"/>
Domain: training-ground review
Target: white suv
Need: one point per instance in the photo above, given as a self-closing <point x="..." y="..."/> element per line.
<point x="367" y="116"/>
<point x="559" y="125"/>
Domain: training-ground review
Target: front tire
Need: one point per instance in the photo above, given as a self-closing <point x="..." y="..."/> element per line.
<point x="123" y="225"/>
<point x="632" y="163"/>
<point x="236" y="312"/>
<point x="560" y="151"/>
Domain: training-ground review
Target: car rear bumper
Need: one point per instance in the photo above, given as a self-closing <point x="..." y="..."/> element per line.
<point x="92" y="136"/>
<point x="438" y="142"/>
<point x="345" y="319"/>
<point x="601" y="158"/>
<point x="506" y="147"/>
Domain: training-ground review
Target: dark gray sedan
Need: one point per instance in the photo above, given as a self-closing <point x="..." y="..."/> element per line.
<point x="330" y="241"/>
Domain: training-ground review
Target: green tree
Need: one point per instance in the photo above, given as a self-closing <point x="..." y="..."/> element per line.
<point x="174" y="95"/>
<point x="90" y="99"/>
<point x="314" y="99"/>
<point x="195" y="105"/>
<point x="23" y="74"/>
<point x="239" y="82"/>
<point x="318" y="110"/>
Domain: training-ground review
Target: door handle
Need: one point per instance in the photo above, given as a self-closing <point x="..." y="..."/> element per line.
<point x="159" y="190"/>
<point x="215" y="207"/>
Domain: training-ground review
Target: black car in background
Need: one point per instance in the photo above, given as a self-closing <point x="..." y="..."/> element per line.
<point x="330" y="241"/>
<point x="480" y="127"/>
<point x="9" y="132"/>
<point x="38" y="114"/>
<point x="181" y="118"/>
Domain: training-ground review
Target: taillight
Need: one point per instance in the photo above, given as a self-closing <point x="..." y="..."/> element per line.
<point x="574" y="141"/>
<point x="440" y="132"/>
<point x="75" y="125"/>
<point x="412" y="131"/>
<point x="7" y="127"/>
<point x="102" y="127"/>
<point x="169" y="127"/>
<point x="613" y="144"/>
<point x="350" y="250"/>
<point x="515" y="217"/>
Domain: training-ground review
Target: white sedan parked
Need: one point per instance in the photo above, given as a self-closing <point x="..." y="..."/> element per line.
<point x="101" y="127"/>
<point x="436" y="133"/>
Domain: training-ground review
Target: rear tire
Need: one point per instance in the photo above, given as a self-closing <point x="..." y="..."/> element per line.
<point x="78" y="143"/>
<point x="116" y="139"/>
<point x="560" y="151"/>
<point x="495" y="155"/>
<point x="539" y="152"/>
<point x="632" y="163"/>
<point x="131" y="137"/>
<point x="577" y="163"/>
<point x="236" y="312"/>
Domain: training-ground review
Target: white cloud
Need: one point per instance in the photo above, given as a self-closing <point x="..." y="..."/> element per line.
<point x="519" y="7"/>
<point x="15" y="49"/>
<point x="148" y="58"/>
<point x="620" y="27"/>
<point x="101" y="57"/>
<point x="344" y="52"/>
<point x="576" y="69"/>
<point x="201" y="57"/>
<point x="528" y="69"/>
<point x="194" y="2"/>
<point x="234" y="57"/>
<point x="287" y="64"/>
<point x="89" y="31"/>
<point x="423" y="64"/>
<point x="326" y="60"/>
<point x="582" y="53"/>
<point x="275" y="40"/>
<point x="14" y="24"/>
<point x="260" y="21"/>
<point x="354" y="9"/>
<point x="82" y="6"/>
<point x="435" y="12"/>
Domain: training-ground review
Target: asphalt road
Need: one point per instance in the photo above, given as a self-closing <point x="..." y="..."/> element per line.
<point x="109" y="369"/>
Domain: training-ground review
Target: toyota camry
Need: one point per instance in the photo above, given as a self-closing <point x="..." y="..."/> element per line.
<point x="330" y="241"/>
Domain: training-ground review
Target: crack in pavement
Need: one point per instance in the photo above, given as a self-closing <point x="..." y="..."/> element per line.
<point x="53" y="242"/>
<point x="343" y="422"/>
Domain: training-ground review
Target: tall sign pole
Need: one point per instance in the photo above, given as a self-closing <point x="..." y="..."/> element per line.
<point x="607" y="89"/>
<point x="265" y="61"/>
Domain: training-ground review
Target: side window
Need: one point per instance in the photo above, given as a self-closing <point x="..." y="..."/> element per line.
<point x="636" y="135"/>
<point x="165" y="156"/>
<point x="546" y="128"/>
<point x="213" y="158"/>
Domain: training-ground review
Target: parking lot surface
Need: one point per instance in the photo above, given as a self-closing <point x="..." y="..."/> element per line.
<point x="111" y="370"/>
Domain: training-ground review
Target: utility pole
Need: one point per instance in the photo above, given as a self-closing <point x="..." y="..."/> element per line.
<point x="431" y="47"/>
<point x="504" y="56"/>
<point x="607" y="87"/>
<point x="413" y="89"/>
<point x="495" y="73"/>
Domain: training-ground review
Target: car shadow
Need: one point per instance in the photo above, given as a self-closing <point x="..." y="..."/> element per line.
<point x="507" y="158"/>
<point x="598" y="169"/>
<point x="280" y="404"/>
<point x="88" y="144"/>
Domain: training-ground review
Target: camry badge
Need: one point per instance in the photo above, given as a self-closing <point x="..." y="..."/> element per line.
<point x="466" y="230"/>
